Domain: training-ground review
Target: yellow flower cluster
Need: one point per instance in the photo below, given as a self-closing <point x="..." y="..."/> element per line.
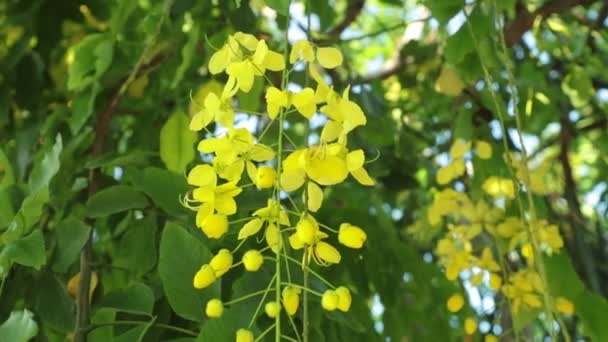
<point x="308" y="169"/>
<point x="472" y="224"/>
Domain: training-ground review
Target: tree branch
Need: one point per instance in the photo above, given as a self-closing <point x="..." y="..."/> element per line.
<point x="352" y="12"/>
<point x="524" y="19"/>
<point x="582" y="250"/>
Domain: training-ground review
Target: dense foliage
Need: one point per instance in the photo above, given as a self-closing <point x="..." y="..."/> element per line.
<point x="367" y="170"/>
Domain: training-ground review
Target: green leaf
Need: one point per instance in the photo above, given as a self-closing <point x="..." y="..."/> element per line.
<point x="104" y="333"/>
<point x="164" y="188"/>
<point x="136" y="334"/>
<point x="138" y="298"/>
<point x="444" y="10"/>
<point x="181" y="256"/>
<point x="82" y="107"/>
<point x="591" y="309"/>
<point x="137" y="249"/>
<point x="19" y="327"/>
<point x="71" y="236"/>
<point x="92" y="57"/>
<point x="115" y="199"/>
<point x="55" y="307"/>
<point x="578" y="87"/>
<point x="281" y="6"/>
<point x="27" y="251"/>
<point x="176" y="143"/>
<point x="44" y="171"/>
<point x="188" y="52"/>
<point x="561" y="276"/>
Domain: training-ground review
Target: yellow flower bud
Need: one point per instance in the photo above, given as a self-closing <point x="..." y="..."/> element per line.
<point x="204" y="277"/>
<point x="470" y="326"/>
<point x="564" y="306"/>
<point x="215" y="226"/>
<point x="265" y="177"/>
<point x="253" y="260"/>
<point x="483" y="149"/>
<point x="344" y="298"/>
<point x="214" y="308"/>
<point x="455" y="302"/>
<point x="351" y="236"/>
<point x="272" y="309"/>
<point x="327" y="253"/>
<point x="306" y="230"/>
<point x="330" y="300"/>
<point x="291" y="299"/>
<point x="221" y="262"/>
<point x="244" y="335"/>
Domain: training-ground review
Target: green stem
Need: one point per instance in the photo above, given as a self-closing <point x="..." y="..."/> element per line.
<point x="257" y="310"/>
<point x="325" y="281"/>
<point x="303" y="288"/>
<point x="259" y="338"/>
<point x="253" y="294"/>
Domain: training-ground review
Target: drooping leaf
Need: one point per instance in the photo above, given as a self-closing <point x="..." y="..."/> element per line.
<point x="27" y="251"/>
<point x="115" y="199"/>
<point x="71" y="236"/>
<point x="177" y="143"/>
<point x="138" y="298"/>
<point x="181" y="256"/>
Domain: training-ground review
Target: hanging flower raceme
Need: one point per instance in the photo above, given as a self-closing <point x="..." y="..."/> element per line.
<point x="217" y="182"/>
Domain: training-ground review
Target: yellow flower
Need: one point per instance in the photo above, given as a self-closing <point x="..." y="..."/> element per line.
<point x="451" y="171"/>
<point x="273" y="237"/>
<point x="204" y="277"/>
<point x="483" y="149"/>
<point x="524" y="289"/>
<point x="221" y="262"/>
<point x="455" y="302"/>
<point x="301" y="49"/>
<point x="234" y="151"/>
<point x="275" y="100"/>
<point x="329" y="57"/>
<point x="564" y="306"/>
<point x="215" y="226"/>
<point x="213" y="197"/>
<point x="355" y="160"/>
<point x="305" y="103"/>
<point x="326" y="253"/>
<point x="499" y="187"/>
<point x="253" y="260"/>
<point x="265" y="177"/>
<point x="315" y="197"/>
<point x="459" y="148"/>
<point x="344" y="115"/>
<point x="216" y="109"/>
<point x="307" y="229"/>
<point x="351" y="236"/>
<point x="268" y="215"/>
<point x="344" y="298"/>
<point x="329" y="300"/>
<point x="290" y="298"/>
<point x="272" y="309"/>
<point x="244" y="335"/>
<point x="214" y="308"/>
<point x="470" y="326"/>
<point x="495" y="281"/>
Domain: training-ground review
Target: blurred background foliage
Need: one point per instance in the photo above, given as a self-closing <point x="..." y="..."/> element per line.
<point x="95" y="99"/>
